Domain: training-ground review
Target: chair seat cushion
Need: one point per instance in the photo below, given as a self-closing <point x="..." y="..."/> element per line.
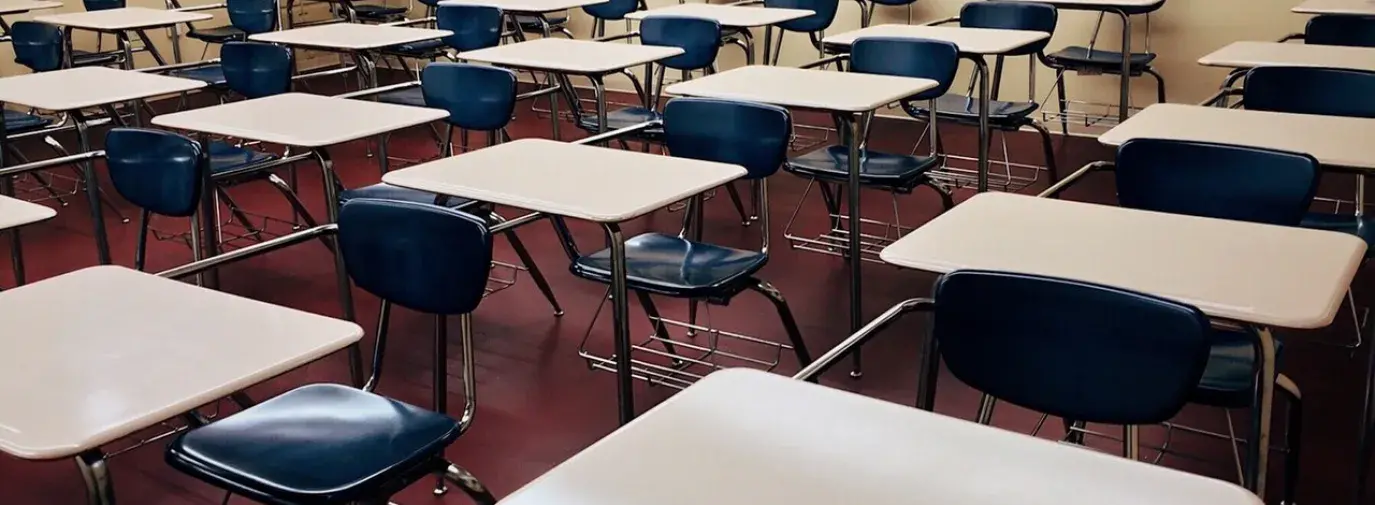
<point x="412" y="96"/>
<point x="1229" y="376"/>
<point x="1361" y="227"/>
<point x="1105" y="61"/>
<point x="85" y="58"/>
<point x="218" y="34"/>
<point x="894" y="171"/>
<point x="322" y="443"/>
<point x="384" y="191"/>
<point x="674" y="266"/>
<point x="378" y="12"/>
<point x="210" y="74"/>
<point x="16" y="121"/>
<point x="421" y="49"/>
<point x="623" y="118"/>
<point x="963" y="108"/>
<point x="225" y="157"/>
<point x="531" y="23"/>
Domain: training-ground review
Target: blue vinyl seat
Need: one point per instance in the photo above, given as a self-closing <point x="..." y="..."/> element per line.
<point x="474" y="27"/>
<point x="898" y="173"/>
<point x="1225" y="182"/>
<point x="329" y="444"/>
<point x="815" y="25"/>
<point x="611" y="10"/>
<point x="253" y="70"/>
<point x="16" y="122"/>
<point x="700" y="40"/>
<point x="38" y="46"/>
<point x="1093" y="60"/>
<point x="1319" y="91"/>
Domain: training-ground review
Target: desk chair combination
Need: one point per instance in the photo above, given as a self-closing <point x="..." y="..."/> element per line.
<point x="700" y="41"/>
<point x="683" y="266"/>
<point x="867" y="8"/>
<point x="1003" y="116"/>
<point x="612" y="10"/>
<point x="480" y="98"/>
<point x="1226" y="182"/>
<point x="827" y="168"/>
<point x="297" y="448"/>
<point x="815" y="25"/>
<point x="1327" y="92"/>
<point x="474" y="27"/>
<point x="39" y="47"/>
<point x="1335" y="30"/>
<point x="1092" y="60"/>
<point x="246" y="17"/>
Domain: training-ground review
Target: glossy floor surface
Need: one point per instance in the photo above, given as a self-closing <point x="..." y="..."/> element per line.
<point x="539" y="402"/>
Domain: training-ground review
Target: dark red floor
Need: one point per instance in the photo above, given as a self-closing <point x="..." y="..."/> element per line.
<point x="539" y="404"/>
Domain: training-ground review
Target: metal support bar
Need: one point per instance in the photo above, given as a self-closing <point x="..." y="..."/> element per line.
<point x="854" y="341"/>
<point x="1068" y="181"/>
<point x="827" y="61"/>
<point x="249" y="251"/>
<point x="49" y="163"/>
<point x="378" y="90"/>
<point x="614" y="134"/>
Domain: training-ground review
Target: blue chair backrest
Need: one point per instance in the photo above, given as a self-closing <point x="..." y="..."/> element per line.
<point x="1216" y="180"/>
<point x="1070" y="349"/>
<point x="612" y="9"/>
<point x="905" y="57"/>
<point x="1310" y="90"/>
<point x="1332" y="30"/>
<point x="752" y="135"/>
<point x="474" y="26"/>
<point x="37" y="45"/>
<point x="252" y="16"/>
<point x="699" y="38"/>
<point x="477" y="97"/>
<point x="423" y="257"/>
<point x="156" y="170"/>
<point x="825" y="14"/>
<point x="100" y="5"/>
<point x="256" y="69"/>
<point x="1012" y="16"/>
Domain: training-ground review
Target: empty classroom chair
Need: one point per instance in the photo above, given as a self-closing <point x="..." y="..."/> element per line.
<point x="331" y="444"/>
<point x="246" y="17"/>
<point x="612" y="10"/>
<point x="684" y="265"/>
<point x="1004" y="116"/>
<point x="828" y="168"/>
<point x="815" y="25"/>
<point x="474" y="27"/>
<point x="480" y="98"/>
<point x="1225" y="182"/>
<point x="1334" y="30"/>
<point x="1094" y="60"/>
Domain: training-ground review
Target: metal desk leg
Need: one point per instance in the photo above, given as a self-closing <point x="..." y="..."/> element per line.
<point x="1259" y="449"/>
<point x="102" y="240"/>
<point x="1365" y="442"/>
<point x="341" y="276"/>
<point x="599" y="89"/>
<point x="856" y="137"/>
<point x="620" y="316"/>
<point x="1125" y="97"/>
<point x="984" y="99"/>
<point x="100" y="490"/>
<point x="768" y="44"/>
<point x="152" y="49"/>
<point x="209" y="226"/>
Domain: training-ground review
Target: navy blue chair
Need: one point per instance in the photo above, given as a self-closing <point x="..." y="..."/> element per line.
<point x="39" y="47"/>
<point x="296" y="449"/>
<point x="246" y="17"/>
<point x="474" y="27"/>
<point x="894" y="173"/>
<point x="700" y="40"/>
<point x="869" y="6"/>
<point x="1334" y="30"/>
<point x="753" y="136"/>
<point x="158" y="171"/>
<point x="1093" y="60"/>
<point x="815" y="25"/>
<point x="1005" y="116"/>
<point x="612" y="10"/>
<point x="477" y="97"/>
<point x="101" y="5"/>
<point x="1069" y="349"/>
<point x="1225" y="182"/>
<point x="1319" y="91"/>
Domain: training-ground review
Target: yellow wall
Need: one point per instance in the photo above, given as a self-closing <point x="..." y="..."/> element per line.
<point x="1182" y="31"/>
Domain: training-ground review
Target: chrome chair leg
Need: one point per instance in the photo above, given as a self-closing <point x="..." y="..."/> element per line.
<point x="141" y="242"/>
<point x="1131" y="442"/>
<point x="1292" y="437"/>
<point x="469" y="484"/>
<point x="660" y="330"/>
<point x="804" y="358"/>
<point x="380" y="347"/>
<point x="986" y="405"/>
<point x="1048" y="148"/>
<point x="1063" y="99"/>
<point x="739" y="205"/>
<point x="533" y="269"/>
<point x="441" y="385"/>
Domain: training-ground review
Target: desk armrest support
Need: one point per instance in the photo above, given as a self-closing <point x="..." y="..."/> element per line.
<point x="613" y="38"/>
<point x="1065" y="183"/>
<point x="944" y="21"/>
<point x="827" y="61"/>
<point x="845" y="347"/>
<point x="379" y="90"/>
<point x="195" y="8"/>
<point x="408" y="22"/>
<point x="179" y="66"/>
<point x="250" y="251"/>
<point x="12" y="171"/>
<point x="1292" y="36"/>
